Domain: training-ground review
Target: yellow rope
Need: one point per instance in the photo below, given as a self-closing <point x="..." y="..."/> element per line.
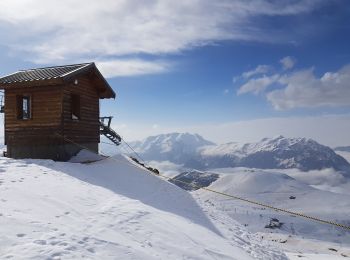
<point x="229" y="195"/>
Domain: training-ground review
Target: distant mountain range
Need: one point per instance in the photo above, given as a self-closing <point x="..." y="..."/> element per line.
<point x="175" y="147"/>
<point x="194" y="152"/>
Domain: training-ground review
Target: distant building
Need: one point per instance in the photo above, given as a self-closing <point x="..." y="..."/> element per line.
<point x="51" y="113"/>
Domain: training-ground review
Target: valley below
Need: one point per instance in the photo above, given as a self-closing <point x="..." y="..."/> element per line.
<point x="294" y="184"/>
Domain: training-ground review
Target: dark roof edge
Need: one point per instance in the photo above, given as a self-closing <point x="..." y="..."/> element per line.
<point x="85" y="68"/>
<point x="104" y="80"/>
<point x="8" y="75"/>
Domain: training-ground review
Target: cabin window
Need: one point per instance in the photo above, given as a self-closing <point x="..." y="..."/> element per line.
<point x="23" y="107"/>
<point x="75" y="105"/>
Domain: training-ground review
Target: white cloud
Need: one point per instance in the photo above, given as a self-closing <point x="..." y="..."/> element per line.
<point x="288" y="62"/>
<point x="328" y="176"/>
<point x="325" y="179"/>
<point x="302" y="89"/>
<point x="226" y="91"/>
<point x="69" y="30"/>
<point x="128" y="67"/>
<point x="258" y="85"/>
<point x="260" y="69"/>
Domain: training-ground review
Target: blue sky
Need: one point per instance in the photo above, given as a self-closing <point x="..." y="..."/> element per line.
<point x="213" y="67"/>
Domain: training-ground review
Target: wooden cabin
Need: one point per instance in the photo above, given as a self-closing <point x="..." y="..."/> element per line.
<point x="51" y="113"/>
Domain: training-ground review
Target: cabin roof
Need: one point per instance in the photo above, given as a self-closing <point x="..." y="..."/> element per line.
<point x="65" y="73"/>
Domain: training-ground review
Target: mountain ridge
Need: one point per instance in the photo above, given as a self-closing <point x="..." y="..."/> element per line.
<point x="177" y="146"/>
<point x="194" y="152"/>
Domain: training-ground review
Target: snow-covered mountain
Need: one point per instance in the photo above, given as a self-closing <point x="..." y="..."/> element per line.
<point x="274" y="153"/>
<point x="193" y="151"/>
<point x="175" y="147"/>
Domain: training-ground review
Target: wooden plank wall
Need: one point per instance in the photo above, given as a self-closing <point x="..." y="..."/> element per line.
<point x="86" y="129"/>
<point x="51" y="113"/>
<point x="46" y="110"/>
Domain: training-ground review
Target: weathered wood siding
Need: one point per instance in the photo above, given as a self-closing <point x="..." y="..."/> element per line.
<point x="86" y="129"/>
<point x="45" y="121"/>
<point x="51" y="118"/>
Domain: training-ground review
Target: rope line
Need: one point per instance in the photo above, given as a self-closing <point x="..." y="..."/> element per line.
<point x="267" y="206"/>
<point x="298" y="214"/>
<point x="133" y="150"/>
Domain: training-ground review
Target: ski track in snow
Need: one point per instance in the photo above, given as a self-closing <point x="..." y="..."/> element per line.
<point x="110" y="210"/>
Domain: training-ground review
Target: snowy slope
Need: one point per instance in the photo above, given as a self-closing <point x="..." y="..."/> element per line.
<point x="110" y="209"/>
<point x="275" y="189"/>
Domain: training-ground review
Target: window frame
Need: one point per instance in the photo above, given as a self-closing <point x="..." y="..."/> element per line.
<point x="20" y="109"/>
<point x="75" y="105"/>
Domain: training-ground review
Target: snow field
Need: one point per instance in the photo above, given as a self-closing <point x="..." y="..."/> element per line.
<point x="106" y="210"/>
<point x="274" y="188"/>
